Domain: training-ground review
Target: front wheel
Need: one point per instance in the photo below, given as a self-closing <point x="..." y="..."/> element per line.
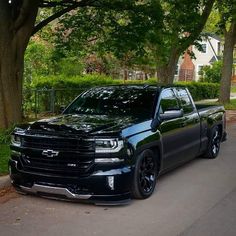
<point x="214" y="143"/>
<point x="145" y="175"/>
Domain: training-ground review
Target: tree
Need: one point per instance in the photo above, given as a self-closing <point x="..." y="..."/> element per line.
<point x="211" y="25"/>
<point x="17" y="20"/>
<point x="183" y="22"/>
<point x="212" y="73"/>
<point x="17" y="24"/>
<point x="128" y="36"/>
<point x="227" y="10"/>
<point x="122" y="34"/>
<point x="37" y="59"/>
<point x="135" y="39"/>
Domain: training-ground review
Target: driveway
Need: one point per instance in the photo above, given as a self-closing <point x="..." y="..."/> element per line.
<point x="198" y="198"/>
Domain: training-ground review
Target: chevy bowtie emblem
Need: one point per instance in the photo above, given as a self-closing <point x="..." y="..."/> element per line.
<point x="50" y="153"/>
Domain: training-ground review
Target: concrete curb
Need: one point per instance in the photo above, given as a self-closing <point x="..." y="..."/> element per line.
<point x="5" y="181"/>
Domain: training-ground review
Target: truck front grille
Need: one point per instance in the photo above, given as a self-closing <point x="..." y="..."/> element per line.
<point x="58" y="143"/>
<point x="74" y="157"/>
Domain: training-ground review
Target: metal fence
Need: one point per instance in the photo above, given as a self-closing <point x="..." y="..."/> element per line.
<point x="47" y="101"/>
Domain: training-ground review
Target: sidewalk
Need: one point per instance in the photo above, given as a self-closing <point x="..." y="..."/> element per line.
<point x="4" y="181"/>
<point x="231" y="116"/>
<point x="232" y="96"/>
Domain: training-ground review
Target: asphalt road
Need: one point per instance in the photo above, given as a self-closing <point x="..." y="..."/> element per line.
<point x="198" y="198"/>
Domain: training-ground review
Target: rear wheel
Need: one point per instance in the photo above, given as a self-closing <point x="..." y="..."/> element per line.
<point x="214" y="143"/>
<point x="145" y="175"/>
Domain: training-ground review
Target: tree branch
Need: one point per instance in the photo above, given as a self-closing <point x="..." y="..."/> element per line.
<point x="23" y="14"/>
<point x="193" y="36"/>
<point x="43" y="23"/>
<point x="54" y="4"/>
<point x="71" y="5"/>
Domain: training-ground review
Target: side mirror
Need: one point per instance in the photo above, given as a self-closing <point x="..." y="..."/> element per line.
<point x="167" y="115"/>
<point x="171" y="114"/>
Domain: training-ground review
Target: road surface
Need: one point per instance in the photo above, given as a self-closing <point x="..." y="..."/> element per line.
<point x="198" y="198"/>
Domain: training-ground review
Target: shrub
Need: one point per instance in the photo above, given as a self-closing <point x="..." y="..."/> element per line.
<point x="4" y="157"/>
<point x="75" y="82"/>
<point x="211" y="74"/>
<point x="57" y="91"/>
<point x="5" y="136"/>
<point x="69" y="67"/>
<point x="200" y="91"/>
<point x="37" y="59"/>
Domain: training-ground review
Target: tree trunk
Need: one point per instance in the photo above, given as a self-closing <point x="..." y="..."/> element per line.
<point x="166" y="72"/>
<point x="125" y="74"/>
<point x="16" y="26"/>
<point x="225" y="84"/>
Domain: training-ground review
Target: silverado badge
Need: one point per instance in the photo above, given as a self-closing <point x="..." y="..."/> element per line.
<point x="50" y="153"/>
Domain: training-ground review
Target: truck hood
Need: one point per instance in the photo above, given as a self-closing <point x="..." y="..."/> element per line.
<point x="83" y="124"/>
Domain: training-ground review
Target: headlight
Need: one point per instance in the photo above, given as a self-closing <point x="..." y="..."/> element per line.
<point x="108" y="145"/>
<point x="16" y="140"/>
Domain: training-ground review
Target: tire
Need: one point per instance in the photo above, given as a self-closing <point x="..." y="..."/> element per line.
<point x="214" y="143"/>
<point x="145" y="175"/>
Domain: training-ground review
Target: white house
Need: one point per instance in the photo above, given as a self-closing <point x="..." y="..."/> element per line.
<point x="188" y="68"/>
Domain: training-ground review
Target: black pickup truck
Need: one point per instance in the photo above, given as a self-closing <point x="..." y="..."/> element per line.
<point x="111" y="143"/>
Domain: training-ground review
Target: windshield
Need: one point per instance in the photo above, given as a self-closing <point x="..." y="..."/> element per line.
<point x="115" y="100"/>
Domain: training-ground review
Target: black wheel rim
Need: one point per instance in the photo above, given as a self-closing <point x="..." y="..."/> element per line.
<point x="216" y="142"/>
<point x="147" y="174"/>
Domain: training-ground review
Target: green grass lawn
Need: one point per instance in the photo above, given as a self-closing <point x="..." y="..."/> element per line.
<point x="4" y="156"/>
<point x="233" y="89"/>
<point x="231" y="105"/>
<point x="228" y="106"/>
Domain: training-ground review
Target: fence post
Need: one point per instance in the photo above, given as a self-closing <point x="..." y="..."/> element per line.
<point x="35" y="103"/>
<point x="52" y="105"/>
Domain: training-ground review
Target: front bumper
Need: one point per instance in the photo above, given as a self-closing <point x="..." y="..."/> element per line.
<point x="108" y="186"/>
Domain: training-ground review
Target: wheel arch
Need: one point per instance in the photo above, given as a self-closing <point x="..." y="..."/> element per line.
<point x="218" y="124"/>
<point x="156" y="148"/>
<point x="147" y="140"/>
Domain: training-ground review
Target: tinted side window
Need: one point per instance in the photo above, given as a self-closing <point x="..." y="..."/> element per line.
<point x="185" y="100"/>
<point x="168" y="101"/>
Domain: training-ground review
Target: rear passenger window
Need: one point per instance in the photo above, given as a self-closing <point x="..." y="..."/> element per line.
<point x="185" y="101"/>
<point x="168" y="101"/>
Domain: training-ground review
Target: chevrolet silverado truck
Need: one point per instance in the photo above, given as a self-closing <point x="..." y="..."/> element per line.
<point x="111" y="143"/>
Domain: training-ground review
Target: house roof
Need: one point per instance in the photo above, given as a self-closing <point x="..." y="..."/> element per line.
<point x="212" y="36"/>
<point x="213" y="59"/>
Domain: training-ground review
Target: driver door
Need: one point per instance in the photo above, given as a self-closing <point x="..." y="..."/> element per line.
<point x="172" y="131"/>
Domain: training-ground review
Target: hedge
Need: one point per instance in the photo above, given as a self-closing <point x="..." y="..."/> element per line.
<point x="77" y="82"/>
<point x="48" y="94"/>
<point x="201" y="91"/>
<point x="198" y="90"/>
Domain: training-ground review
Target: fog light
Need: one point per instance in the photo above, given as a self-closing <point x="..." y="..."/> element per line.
<point x="110" y="180"/>
<point x="108" y="160"/>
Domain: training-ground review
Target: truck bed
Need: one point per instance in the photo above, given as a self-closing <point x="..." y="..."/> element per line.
<point x="204" y="109"/>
